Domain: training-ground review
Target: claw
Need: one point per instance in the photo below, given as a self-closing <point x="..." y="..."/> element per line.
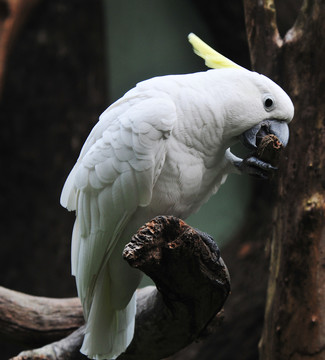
<point x="254" y="161"/>
<point x="255" y="167"/>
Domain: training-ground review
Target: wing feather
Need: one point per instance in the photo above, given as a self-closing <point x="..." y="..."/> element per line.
<point x="115" y="174"/>
<point x="106" y="172"/>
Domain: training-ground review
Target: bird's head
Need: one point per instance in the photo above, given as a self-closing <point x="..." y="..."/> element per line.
<point x="255" y="107"/>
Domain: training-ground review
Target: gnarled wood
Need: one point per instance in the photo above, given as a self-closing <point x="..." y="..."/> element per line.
<point x="193" y="284"/>
<point x="192" y="281"/>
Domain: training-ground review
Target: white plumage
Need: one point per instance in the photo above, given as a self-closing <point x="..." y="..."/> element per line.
<point x="162" y="149"/>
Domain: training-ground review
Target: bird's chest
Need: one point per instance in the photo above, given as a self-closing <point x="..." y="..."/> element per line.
<point x="184" y="184"/>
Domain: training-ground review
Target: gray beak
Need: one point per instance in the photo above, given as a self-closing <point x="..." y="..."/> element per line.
<point x="252" y="137"/>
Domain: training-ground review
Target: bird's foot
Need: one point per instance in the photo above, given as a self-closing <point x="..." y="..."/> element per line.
<point x="255" y="167"/>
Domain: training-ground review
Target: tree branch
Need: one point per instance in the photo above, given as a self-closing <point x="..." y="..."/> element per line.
<point x="192" y="281"/>
<point x="65" y="349"/>
<point x="193" y="284"/>
<point x="311" y="12"/>
<point x="34" y="320"/>
<point x="263" y="36"/>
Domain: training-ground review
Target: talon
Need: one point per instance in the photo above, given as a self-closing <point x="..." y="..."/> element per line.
<point x="255" y="167"/>
<point x="254" y="161"/>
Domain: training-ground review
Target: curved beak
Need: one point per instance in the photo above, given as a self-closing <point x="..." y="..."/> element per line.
<point x="252" y="137"/>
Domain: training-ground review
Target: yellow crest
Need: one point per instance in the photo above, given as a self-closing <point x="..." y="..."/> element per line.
<point x="212" y="58"/>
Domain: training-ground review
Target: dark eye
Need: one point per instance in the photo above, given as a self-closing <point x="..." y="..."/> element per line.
<point x="268" y="102"/>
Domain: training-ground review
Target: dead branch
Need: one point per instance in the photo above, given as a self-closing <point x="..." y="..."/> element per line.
<point x="192" y="281"/>
<point x="193" y="284"/>
<point x="34" y="320"/>
<point x="65" y="349"/>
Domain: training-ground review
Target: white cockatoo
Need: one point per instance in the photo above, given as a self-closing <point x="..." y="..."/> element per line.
<point x="162" y="149"/>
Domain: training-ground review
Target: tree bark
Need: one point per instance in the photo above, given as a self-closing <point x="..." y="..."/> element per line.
<point x="191" y="278"/>
<point x="294" y="325"/>
<point x="33" y="320"/>
<point x="64" y="349"/>
<point x="238" y="335"/>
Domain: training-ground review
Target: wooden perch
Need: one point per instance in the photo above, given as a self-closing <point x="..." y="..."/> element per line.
<point x="192" y="285"/>
<point x="33" y="320"/>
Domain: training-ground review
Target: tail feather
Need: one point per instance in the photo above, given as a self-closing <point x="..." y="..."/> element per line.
<point x="108" y="331"/>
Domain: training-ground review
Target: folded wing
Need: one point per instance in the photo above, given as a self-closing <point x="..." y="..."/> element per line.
<point x="113" y="176"/>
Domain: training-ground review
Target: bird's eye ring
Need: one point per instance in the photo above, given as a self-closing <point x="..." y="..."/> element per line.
<point x="268" y="102"/>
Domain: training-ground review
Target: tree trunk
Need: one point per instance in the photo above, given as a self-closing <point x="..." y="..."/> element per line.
<point x="294" y="325"/>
